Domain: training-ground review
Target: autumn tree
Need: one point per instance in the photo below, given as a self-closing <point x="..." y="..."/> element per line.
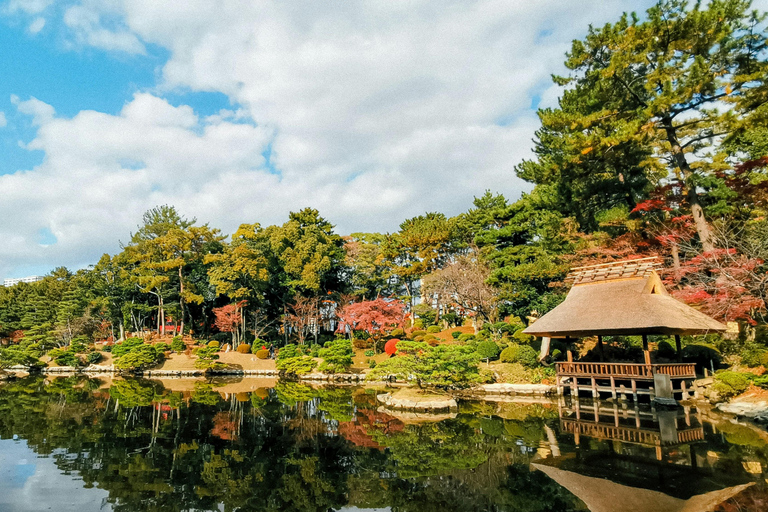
<point x="229" y="318"/>
<point x="376" y="317"/>
<point x="665" y="87"/>
<point x="302" y="317"/>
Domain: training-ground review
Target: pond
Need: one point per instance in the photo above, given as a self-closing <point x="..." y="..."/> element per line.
<point x="137" y="445"/>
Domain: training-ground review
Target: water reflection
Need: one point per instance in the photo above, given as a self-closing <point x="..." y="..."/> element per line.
<point x="238" y="445"/>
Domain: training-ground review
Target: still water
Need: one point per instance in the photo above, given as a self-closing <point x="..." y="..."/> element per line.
<point x="138" y="445"/>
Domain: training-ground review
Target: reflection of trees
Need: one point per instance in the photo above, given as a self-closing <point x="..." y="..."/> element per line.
<point x="153" y="450"/>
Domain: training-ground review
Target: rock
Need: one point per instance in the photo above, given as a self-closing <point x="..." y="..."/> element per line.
<point x="755" y="411"/>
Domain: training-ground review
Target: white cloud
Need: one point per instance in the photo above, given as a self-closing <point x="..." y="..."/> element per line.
<point x="374" y="112"/>
<point x="3" y="120"/>
<point x="37" y="25"/>
<point x="28" y="6"/>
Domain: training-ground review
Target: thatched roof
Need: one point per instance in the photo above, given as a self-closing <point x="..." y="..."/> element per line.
<point x="601" y="495"/>
<point x="622" y="298"/>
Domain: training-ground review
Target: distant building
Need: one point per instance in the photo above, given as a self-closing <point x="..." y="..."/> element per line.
<point x="28" y="279"/>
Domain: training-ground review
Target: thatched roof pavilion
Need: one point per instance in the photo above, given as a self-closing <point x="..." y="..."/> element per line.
<point x="621" y="298"/>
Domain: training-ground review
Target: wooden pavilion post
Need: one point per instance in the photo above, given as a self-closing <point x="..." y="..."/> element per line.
<point x="646" y="352"/>
<point x="600" y="348"/>
<point x="679" y="348"/>
<point x="568" y="352"/>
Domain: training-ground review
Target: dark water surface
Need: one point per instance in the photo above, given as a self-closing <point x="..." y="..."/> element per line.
<point x="135" y="445"/>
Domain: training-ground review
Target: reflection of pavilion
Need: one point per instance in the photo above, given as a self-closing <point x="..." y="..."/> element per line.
<point x="645" y="427"/>
<point x="617" y="470"/>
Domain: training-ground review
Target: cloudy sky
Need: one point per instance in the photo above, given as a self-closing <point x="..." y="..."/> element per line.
<point x="243" y="110"/>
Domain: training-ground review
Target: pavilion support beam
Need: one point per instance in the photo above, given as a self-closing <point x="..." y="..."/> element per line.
<point x="646" y="352"/>
<point x="568" y="352"/>
<point x="600" y="348"/>
<point x="679" y="348"/>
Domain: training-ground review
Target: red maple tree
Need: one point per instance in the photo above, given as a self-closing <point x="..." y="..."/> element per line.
<point x="229" y="318"/>
<point x="376" y="317"/>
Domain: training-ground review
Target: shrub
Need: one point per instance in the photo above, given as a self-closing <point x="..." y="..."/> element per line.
<point x="418" y="338"/>
<point x="129" y="344"/>
<point x="487" y="350"/>
<point x="466" y="337"/>
<point x="666" y="350"/>
<point x="177" y="345"/>
<point x="94" y="357"/>
<point x="262" y="353"/>
<point x="161" y="347"/>
<point x="430" y="337"/>
<point x="258" y="345"/>
<point x="244" y="348"/>
<point x="337" y="356"/>
<point x="207" y="358"/>
<point x="729" y="384"/>
<point x="64" y="357"/>
<point x="371" y="364"/>
<point x="522" y="354"/>
<point x="369" y="353"/>
<point x="290" y="361"/>
<point x="397" y="333"/>
<point x="418" y="332"/>
<point x="455" y="334"/>
<point x="213" y="344"/>
<point x="139" y="357"/>
<point x="702" y="354"/>
<point x="433" y="329"/>
<point x="314" y="349"/>
<point x="432" y="342"/>
<point x="418" y="323"/>
<point x="362" y="344"/>
<point x="753" y="356"/>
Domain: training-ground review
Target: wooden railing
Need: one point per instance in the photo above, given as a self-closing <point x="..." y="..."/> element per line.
<point x="627" y="434"/>
<point x="625" y="370"/>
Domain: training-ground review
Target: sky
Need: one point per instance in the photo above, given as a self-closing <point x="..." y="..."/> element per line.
<point x="240" y="111"/>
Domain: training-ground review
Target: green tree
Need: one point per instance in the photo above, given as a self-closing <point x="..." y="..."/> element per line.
<point x="657" y="86"/>
<point x="337" y="356"/>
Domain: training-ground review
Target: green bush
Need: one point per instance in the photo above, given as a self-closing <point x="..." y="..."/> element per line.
<point x="258" y="344"/>
<point x="213" y="344"/>
<point x="371" y="364"/>
<point x="123" y="348"/>
<point x="455" y="334"/>
<point x="244" y="348"/>
<point x="161" y="347"/>
<point x="702" y="354"/>
<point x="523" y="354"/>
<point x="139" y="357"/>
<point x="729" y="384"/>
<point x="433" y="329"/>
<point x="761" y="380"/>
<point x="337" y="356"/>
<point x="487" y="350"/>
<point x="418" y="338"/>
<point x="666" y="350"/>
<point x="418" y="323"/>
<point x="418" y="332"/>
<point x="290" y="361"/>
<point x="64" y="357"/>
<point x="753" y="356"/>
<point x="369" y="353"/>
<point x="177" y="345"/>
<point x="207" y="358"/>
<point x="397" y="333"/>
<point x="262" y="354"/>
<point x="314" y="349"/>
<point x="94" y="357"/>
<point x="466" y="337"/>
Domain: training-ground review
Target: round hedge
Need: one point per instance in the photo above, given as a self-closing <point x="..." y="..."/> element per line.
<point x="244" y="348"/>
<point x="262" y="354"/>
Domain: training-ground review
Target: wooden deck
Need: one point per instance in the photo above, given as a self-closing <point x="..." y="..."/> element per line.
<point x="622" y="379"/>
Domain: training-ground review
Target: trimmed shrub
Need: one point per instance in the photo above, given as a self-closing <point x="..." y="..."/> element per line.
<point x="258" y="345"/>
<point x="418" y="323"/>
<point x="753" y="356"/>
<point x="466" y="337"/>
<point x="665" y="349"/>
<point x="262" y="354"/>
<point x="418" y="332"/>
<point x="362" y="344"/>
<point x="177" y="345"/>
<point x="432" y="342"/>
<point x="522" y="354"/>
<point x="430" y="337"/>
<point x="455" y="334"/>
<point x="161" y="347"/>
<point x="433" y="329"/>
<point x="397" y="333"/>
<point x="126" y="346"/>
<point x="371" y="364"/>
<point x="729" y="384"/>
<point x="94" y="357"/>
<point x="369" y="353"/>
<point x="64" y="357"/>
<point x="337" y="356"/>
<point x="418" y="338"/>
<point x="487" y="350"/>
<point x="244" y="348"/>
<point x="213" y="344"/>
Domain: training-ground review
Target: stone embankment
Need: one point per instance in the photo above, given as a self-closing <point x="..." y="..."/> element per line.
<point x="517" y="389"/>
<point x="756" y="411"/>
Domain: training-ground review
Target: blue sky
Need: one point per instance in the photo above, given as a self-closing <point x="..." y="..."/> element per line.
<point x="240" y="112"/>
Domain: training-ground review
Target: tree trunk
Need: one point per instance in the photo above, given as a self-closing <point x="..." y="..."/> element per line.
<point x="675" y="250"/>
<point x="702" y="226"/>
<point x="181" y="301"/>
<point x="162" y="316"/>
<point x="122" y="331"/>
